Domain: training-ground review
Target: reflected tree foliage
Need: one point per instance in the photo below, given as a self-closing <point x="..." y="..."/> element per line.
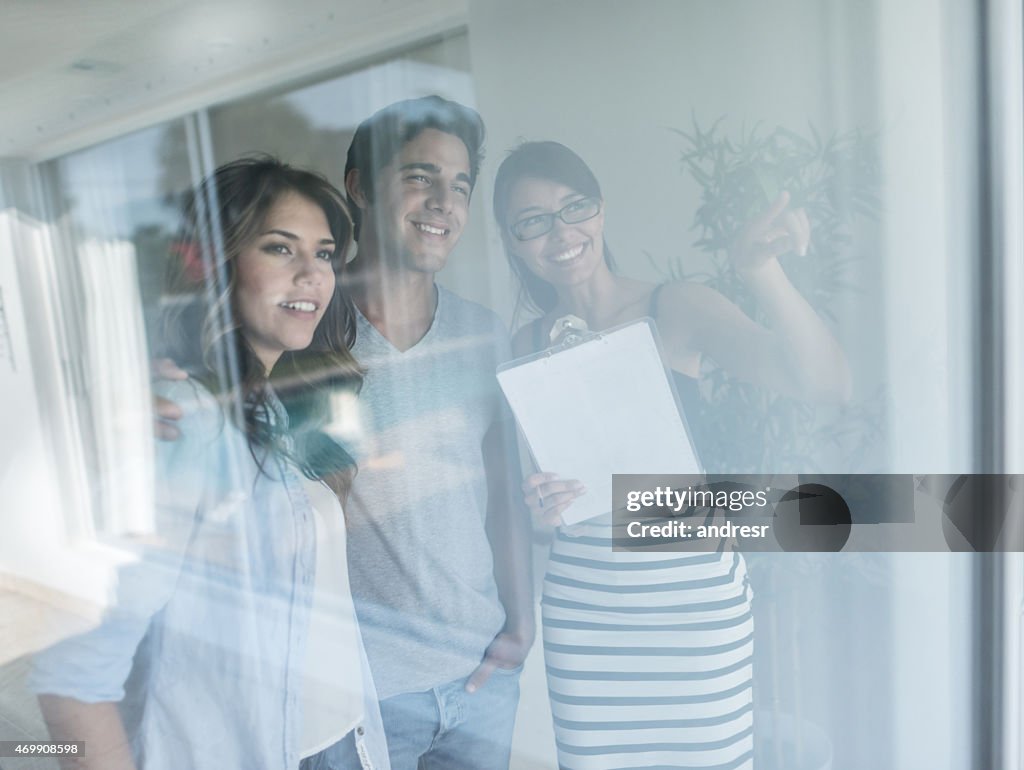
<point x="836" y="179"/>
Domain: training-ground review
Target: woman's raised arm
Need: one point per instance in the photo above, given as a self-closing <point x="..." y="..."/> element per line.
<point x="796" y="355"/>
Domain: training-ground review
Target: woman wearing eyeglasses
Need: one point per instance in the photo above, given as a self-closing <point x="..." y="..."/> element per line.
<point x="649" y="655"/>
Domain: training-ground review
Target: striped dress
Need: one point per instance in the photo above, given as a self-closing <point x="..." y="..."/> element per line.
<point x="648" y="655"/>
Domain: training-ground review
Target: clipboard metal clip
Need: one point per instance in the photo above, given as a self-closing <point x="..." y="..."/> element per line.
<point x="569" y="331"/>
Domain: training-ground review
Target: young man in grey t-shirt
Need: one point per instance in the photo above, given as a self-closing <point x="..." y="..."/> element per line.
<point x="438" y="541"/>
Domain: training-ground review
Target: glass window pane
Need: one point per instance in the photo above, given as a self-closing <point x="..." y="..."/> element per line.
<point x="694" y="119"/>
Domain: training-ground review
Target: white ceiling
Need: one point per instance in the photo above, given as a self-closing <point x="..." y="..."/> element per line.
<point x="73" y="73"/>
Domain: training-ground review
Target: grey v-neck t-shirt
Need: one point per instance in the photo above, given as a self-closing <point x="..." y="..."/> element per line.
<point x="420" y="562"/>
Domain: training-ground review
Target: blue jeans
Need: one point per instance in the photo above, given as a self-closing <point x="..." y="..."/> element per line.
<point x="447" y="728"/>
<point x="341" y="756"/>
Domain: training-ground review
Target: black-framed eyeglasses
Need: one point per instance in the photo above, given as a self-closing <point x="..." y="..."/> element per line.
<point x="535" y="226"/>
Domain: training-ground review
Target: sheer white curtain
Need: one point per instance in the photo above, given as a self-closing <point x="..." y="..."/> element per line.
<point x="117" y="380"/>
<point x="48" y="550"/>
<point x="27" y="479"/>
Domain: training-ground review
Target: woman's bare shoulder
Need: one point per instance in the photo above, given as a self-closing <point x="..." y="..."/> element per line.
<point x="687" y="312"/>
<point x="688" y="301"/>
<point x="690" y="290"/>
<point x="684" y="302"/>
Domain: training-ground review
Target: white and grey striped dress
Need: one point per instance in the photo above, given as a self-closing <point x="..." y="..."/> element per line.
<point x="649" y="656"/>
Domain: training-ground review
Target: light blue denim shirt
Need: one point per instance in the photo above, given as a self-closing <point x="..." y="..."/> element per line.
<point x="218" y="605"/>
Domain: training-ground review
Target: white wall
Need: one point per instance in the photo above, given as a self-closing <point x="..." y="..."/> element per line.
<point x="929" y="159"/>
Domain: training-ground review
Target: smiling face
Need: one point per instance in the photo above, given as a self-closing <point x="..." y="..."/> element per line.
<point x="567" y="254"/>
<point x="420" y="203"/>
<point x="284" y="278"/>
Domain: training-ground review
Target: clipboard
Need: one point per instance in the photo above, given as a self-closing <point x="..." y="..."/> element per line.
<point x="598" y="404"/>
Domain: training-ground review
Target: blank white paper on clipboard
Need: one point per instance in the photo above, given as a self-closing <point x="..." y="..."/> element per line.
<point x="600" y="407"/>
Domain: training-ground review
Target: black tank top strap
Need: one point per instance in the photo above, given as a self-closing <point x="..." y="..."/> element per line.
<point x="539" y="343"/>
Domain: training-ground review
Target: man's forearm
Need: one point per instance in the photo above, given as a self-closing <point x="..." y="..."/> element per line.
<point x="512" y="573"/>
<point x="97" y="725"/>
<point x="508" y="525"/>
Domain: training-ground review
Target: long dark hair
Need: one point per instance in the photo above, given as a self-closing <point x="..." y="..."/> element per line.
<point x="556" y="163"/>
<point x="202" y="335"/>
